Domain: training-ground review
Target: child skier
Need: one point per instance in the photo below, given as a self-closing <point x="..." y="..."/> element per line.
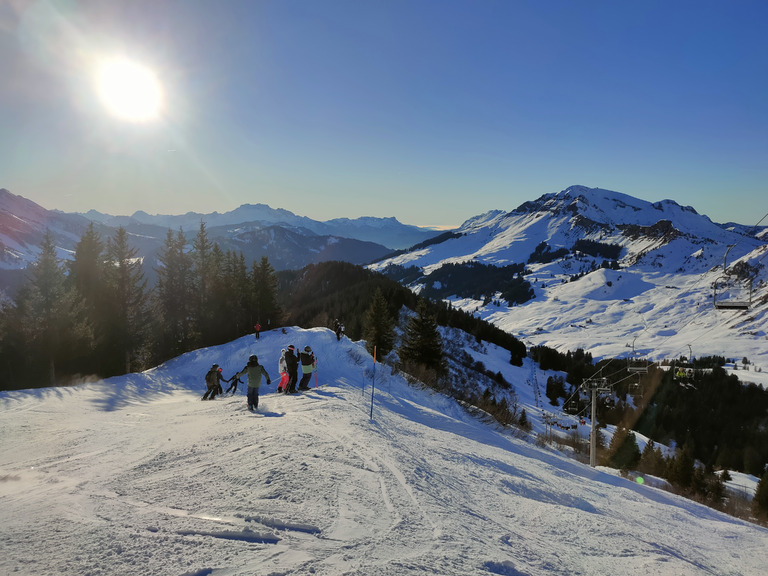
<point x="255" y="371"/>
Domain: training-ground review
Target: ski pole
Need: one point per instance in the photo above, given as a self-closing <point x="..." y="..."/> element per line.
<point x="373" y="380"/>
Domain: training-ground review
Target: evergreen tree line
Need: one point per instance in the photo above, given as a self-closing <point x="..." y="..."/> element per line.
<point x="96" y="316"/>
<point x="700" y="483"/>
<point x="723" y="421"/>
<point x="479" y="281"/>
<point x="320" y="293"/>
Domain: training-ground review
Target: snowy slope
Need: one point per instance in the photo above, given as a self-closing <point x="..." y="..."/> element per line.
<point x="661" y="298"/>
<point x="135" y="475"/>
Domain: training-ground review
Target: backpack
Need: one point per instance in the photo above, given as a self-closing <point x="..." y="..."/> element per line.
<point x="210" y="378"/>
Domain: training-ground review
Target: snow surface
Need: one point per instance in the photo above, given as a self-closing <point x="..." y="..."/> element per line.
<point x="135" y="475"/>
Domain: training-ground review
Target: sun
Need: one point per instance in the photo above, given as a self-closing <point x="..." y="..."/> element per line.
<point x="129" y="90"/>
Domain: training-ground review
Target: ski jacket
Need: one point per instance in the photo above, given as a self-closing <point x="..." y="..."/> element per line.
<point x="307" y="362"/>
<point x="281" y="365"/>
<point x="210" y="378"/>
<point x="213" y="377"/>
<point x="291" y="362"/>
<point x="255" y="371"/>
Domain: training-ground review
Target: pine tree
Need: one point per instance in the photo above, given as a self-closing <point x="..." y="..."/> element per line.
<point x="86" y="278"/>
<point x="379" y="331"/>
<point x="760" y="500"/>
<point x="173" y="297"/>
<point x="86" y="270"/>
<point x="266" y="309"/>
<point x="651" y="460"/>
<point x="523" y="421"/>
<point x="422" y="343"/>
<point x="682" y="467"/>
<point x="128" y="302"/>
<point x="236" y="274"/>
<point x="623" y="452"/>
<point x="51" y="315"/>
<point x="204" y="276"/>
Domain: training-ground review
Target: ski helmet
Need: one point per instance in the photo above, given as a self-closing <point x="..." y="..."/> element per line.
<point x="253" y="358"/>
<point x="307" y="349"/>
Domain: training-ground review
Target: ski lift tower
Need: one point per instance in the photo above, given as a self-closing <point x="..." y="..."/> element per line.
<point x="594" y="385"/>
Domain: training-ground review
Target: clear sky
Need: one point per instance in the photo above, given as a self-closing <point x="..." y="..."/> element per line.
<point x="431" y="111"/>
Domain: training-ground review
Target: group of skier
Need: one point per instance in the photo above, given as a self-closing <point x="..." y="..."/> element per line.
<point x="288" y="366"/>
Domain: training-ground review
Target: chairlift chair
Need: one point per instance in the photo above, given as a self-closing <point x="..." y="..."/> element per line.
<point x="729" y="294"/>
<point x="639" y="366"/>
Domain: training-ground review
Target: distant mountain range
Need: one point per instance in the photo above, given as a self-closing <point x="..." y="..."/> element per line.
<point x="288" y="240"/>
<point x="606" y="272"/>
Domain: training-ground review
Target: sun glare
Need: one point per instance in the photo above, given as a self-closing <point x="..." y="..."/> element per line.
<point x="129" y="90"/>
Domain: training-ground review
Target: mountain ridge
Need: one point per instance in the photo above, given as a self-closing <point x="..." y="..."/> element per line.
<point x="672" y="252"/>
<point x="256" y="230"/>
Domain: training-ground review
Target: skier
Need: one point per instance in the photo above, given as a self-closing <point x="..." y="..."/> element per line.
<point x="212" y="379"/>
<point x="235" y="381"/>
<point x="255" y="371"/>
<point x="338" y="327"/>
<point x="307" y="367"/>
<point x="292" y="366"/>
<point x="257" y="330"/>
<point x="282" y="369"/>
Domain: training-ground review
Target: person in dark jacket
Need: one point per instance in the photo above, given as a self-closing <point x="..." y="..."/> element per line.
<point x="212" y="379"/>
<point x="255" y="371"/>
<point x="233" y="386"/>
<point x="338" y="328"/>
<point x="292" y="365"/>
<point x="307" y="367"/>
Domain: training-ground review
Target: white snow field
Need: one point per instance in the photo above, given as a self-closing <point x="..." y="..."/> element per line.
<point x="135" y="475"/>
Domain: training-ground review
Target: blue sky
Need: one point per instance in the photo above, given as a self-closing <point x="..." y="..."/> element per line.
<point x="431" y="111"/>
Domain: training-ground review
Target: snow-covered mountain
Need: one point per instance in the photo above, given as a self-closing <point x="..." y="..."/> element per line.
<point x="23" y="224"/>
<point x="388" y="232"/>
<point x="659" y="297"/>
<point x="288" y="240"/>
<point x="134" y="475"/>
